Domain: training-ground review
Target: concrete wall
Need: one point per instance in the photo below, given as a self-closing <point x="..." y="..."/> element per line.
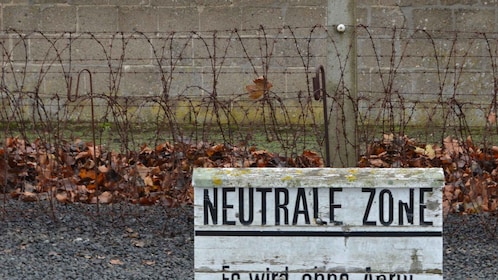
<point x="446" y="15"/>
<point x="223" y="62"/>
<point x="158" y="15"/>
<point x="445" y="52"/>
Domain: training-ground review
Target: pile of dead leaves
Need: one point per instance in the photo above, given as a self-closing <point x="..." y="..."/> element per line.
<point x="80" y="172"/>
<point x="471" y="173"/>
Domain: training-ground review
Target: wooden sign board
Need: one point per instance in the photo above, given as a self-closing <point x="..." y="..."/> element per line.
<point x="318" y="224"/>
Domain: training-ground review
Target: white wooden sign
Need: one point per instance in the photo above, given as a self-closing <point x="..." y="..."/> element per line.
<point x="318" y="223"/>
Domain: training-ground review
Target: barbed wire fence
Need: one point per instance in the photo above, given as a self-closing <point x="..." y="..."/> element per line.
<point x="123" y="91"/>
<point x="187" y="85"/>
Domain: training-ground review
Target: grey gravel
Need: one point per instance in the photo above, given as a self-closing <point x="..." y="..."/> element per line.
<point x="43" y="240"/>
<point x="38" y="241"/>
<point x="471" y="246"/>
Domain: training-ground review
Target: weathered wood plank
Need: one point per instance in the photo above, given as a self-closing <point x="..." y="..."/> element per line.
<point x="296" y="223"/>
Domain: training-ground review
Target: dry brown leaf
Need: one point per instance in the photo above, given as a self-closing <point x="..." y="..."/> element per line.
<point x="94" y="152"/>
<point x="103" y="169"/>
<point x="459" y="195"/>
<point x="388" y="138"/>
<point x="147" y="262"/>
<point x="87" y="174"/>
<point x="378" y="163"/>
<point x="417" y="162"/>
<point x="448" y="195"/>
<point x="138" y="243"/>
<point x="449" y="188"/>
<point x="143" y="171"/>
<point x="494" y="149"/>
<point x="133" y="235"/>
<point x="419" y="151"/>
<point x="84" y="154"/>
<point x="155" y="170"/>
<point x="217" y="149"/>
<point x="148" y="181"/>
<point x="146" y="150"/>
<point x="116" y="262"/>
<point x="452" y="146"/>
<point x="485" y="203"/>
<point x="446" y="159"/>
<point x="494" y="205"/>
<point x="105" y="197"/>
<point x="28" y="197"/>
<point x="259" y="88"/>
<point x="430" y="152"/>
<point x="148" y="200"/>
<point x="62" y="197"/>
<point x="446" y="208"/>
<point x="9" y="142"/>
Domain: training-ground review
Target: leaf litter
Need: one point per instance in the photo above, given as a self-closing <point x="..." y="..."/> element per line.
<point x="471" y="173"/>
<point x="79" y="172"/>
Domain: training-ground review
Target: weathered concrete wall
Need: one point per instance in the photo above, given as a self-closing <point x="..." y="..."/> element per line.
<point x="390" y="61"/>
<point x="157" y="15"/>
<point x="156" y="47"/>
<point x="445" y="52"/>
<point x="446" y="15"/>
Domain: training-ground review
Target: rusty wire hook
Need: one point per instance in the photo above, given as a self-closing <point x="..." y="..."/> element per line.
<point x="91" y="95"/>
<point x="321" y="92"/>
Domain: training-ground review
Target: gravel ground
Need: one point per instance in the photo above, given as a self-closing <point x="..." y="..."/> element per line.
<point x="471" y="247"/>
<point x="75" y="241"/>
<point x="122" y="242"/>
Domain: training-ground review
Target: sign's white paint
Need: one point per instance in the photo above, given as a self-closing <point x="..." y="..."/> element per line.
<point x="318" y="223"/>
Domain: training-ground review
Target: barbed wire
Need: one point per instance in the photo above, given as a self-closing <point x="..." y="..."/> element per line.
<point x="181" y="84"/>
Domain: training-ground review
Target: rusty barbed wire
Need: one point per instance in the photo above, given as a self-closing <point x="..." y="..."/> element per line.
<point x="190" y="86"/>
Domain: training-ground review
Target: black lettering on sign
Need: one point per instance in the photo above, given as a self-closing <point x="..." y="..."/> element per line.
<point x="333" y="205"/>
<point x="315" y="203"/>
<point x="233" y="276"/>
<point x="301" y="200"/>
<point x="324" y="276"/>
<point x="382" y="199"/>
<point x="269" y="275"/>
<point x="242" y="204"/>
<point x="391" y="276"/>
<point x="406" y="207"/>
<point x="226" y="206"/>
<point x="423" y="206"/>
<point x="281" y="206"/>
<point x="369" y="206"/>
<point x="263" y="192"/>
<point x="210" y="207"/>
